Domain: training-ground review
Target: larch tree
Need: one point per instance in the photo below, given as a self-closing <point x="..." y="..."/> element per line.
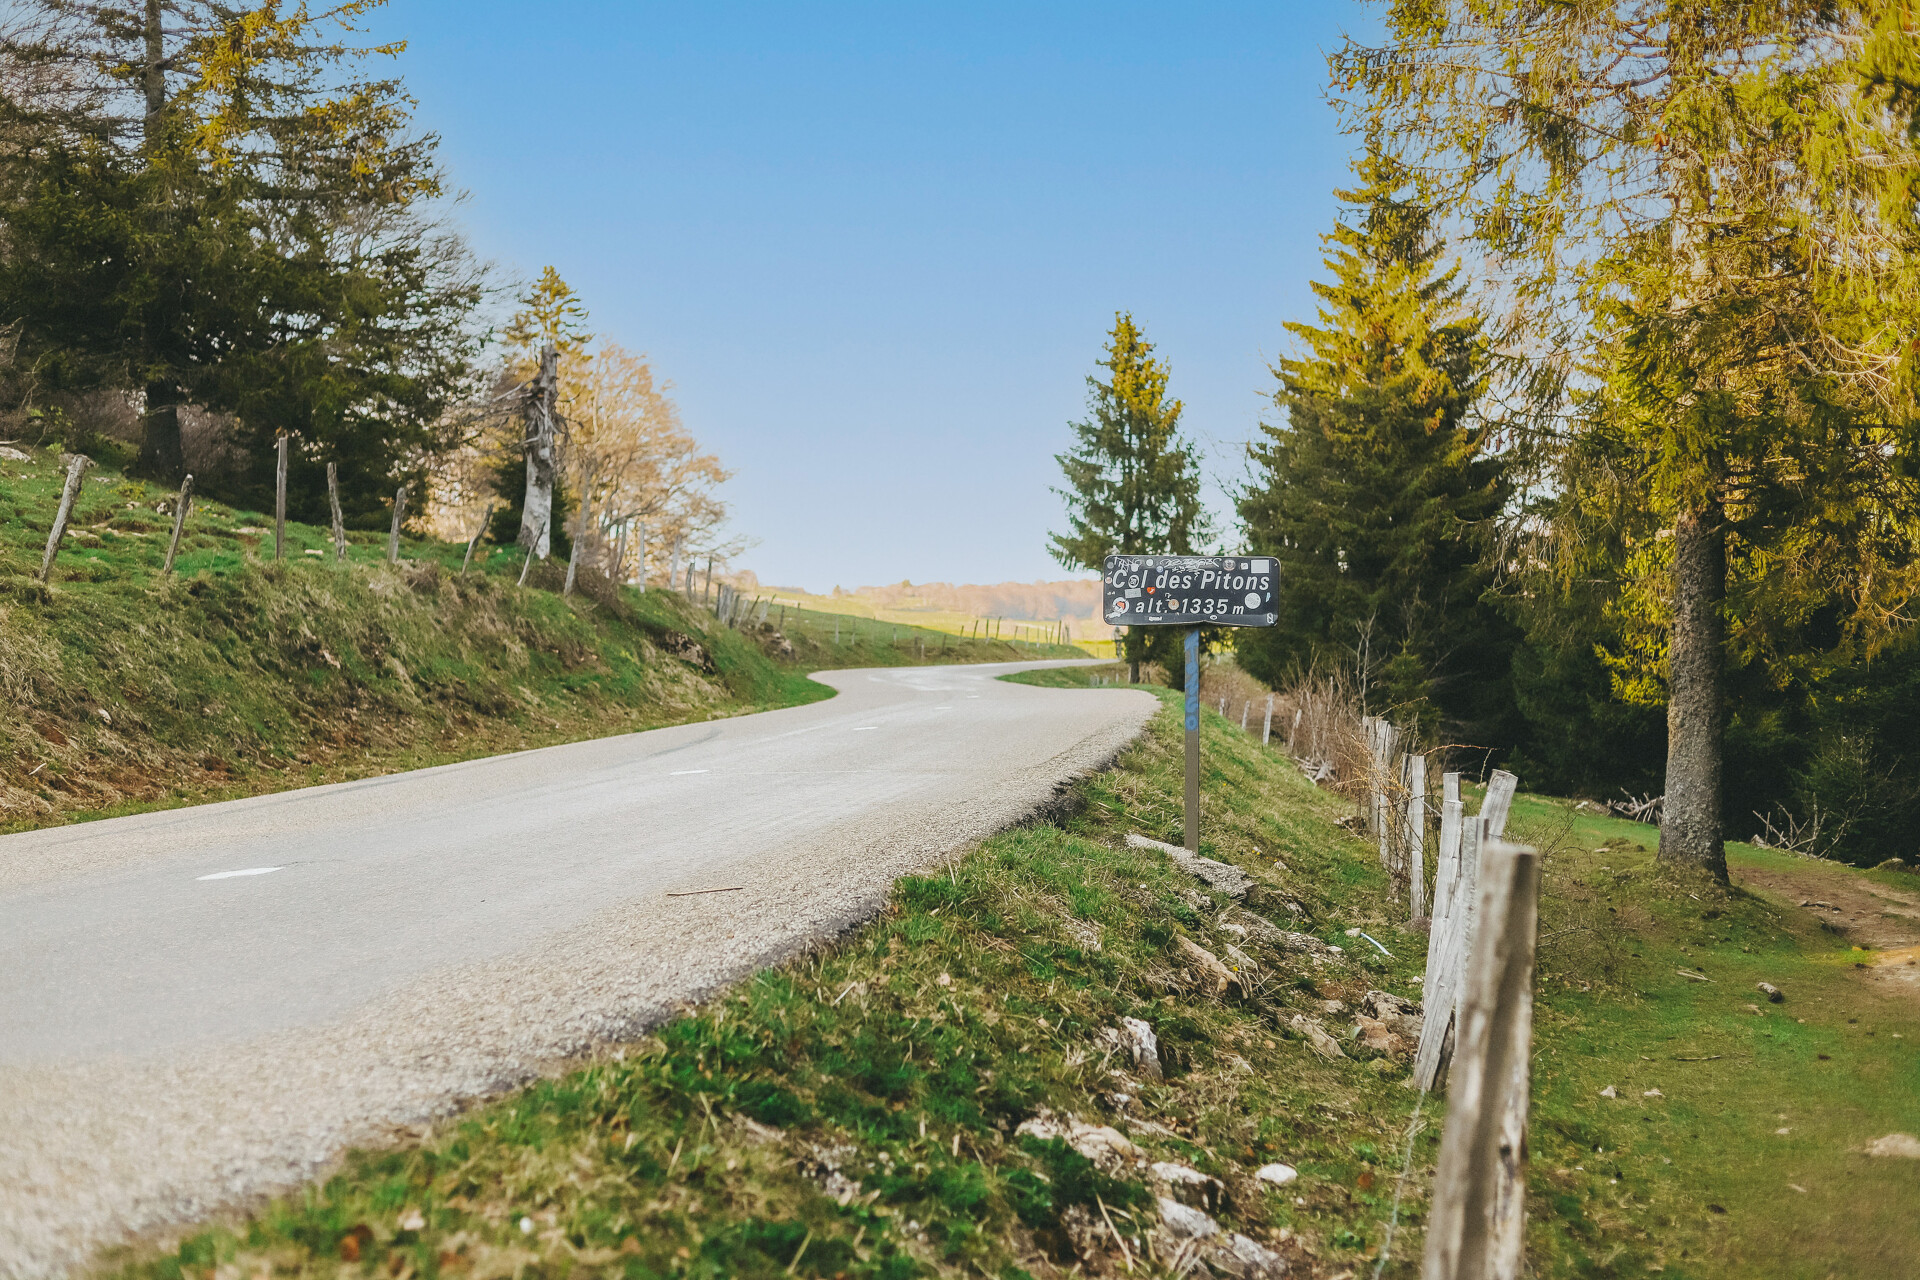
<point x="1697" y="216"/>
<point x="648" y="468"/>
<point x="1378" y="493"/>
<point x="1133" y="481"/>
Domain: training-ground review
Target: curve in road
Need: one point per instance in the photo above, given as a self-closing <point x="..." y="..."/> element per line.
<point x="200" y="1005"/>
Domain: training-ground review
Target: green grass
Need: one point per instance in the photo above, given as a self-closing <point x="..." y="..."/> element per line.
<point x="1629" y="1186"/>
<point x="237" y="674"/>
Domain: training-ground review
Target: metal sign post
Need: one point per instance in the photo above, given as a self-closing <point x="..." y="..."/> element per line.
<point x="1191" y="591"/>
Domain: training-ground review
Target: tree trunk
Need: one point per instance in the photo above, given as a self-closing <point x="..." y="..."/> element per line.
<point x="536" y="513"/>
<point x="1690" y="831"/>
<point x="161" y="456"/>
<point x="153" y="76"/>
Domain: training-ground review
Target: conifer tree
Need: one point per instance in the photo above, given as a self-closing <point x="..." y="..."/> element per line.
<point x="208" y="203"/>
<point x="1377" y="492"/>
<point x="1721" y="194"/>
<point x="1133" y="481"/>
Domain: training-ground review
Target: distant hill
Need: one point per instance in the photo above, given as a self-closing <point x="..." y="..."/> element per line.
<point x="1076" y="599"/>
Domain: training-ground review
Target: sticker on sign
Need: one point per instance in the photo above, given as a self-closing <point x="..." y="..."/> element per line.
<point x="1167" y="591"/>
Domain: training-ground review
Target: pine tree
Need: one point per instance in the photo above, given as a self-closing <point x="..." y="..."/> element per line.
<point x="1133" y="481"/>
<point x="1377" y="493"/>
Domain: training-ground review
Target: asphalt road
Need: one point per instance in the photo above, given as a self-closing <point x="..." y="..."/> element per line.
<point x="203" y="1004"/>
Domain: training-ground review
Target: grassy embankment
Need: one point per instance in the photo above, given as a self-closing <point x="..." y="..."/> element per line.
<point x="237" y="675"/>
<point x="854" y="1112"/>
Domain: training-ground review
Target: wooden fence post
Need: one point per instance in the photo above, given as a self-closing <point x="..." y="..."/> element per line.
<point x="1245" y="709"/>
<point x="399" y="514"/>
<point x="1386" y="738"/>
<point x="486" y="518"/>
<point x="1450" y="938"/>
<point x="1499" y="802"/>
<point x="1416" y="828"/>
<point x="1266" y="733"/>
<point x="280" y="497"/>
<point x="580" y="526"/>
<point x="180" y="505"/>
<point x="68" y="492"/>
<point x="333" y="500"/>
<point x="1476" y="1227"/>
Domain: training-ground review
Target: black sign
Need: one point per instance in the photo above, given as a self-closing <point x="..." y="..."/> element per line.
<point x="1183" y="591"/>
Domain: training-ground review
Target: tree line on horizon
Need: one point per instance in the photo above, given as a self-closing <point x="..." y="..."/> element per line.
<point x="218" y="227"/>
<point x="1601" y="458"/>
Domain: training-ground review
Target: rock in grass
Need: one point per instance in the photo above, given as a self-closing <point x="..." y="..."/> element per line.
<point x="1278" y="1175"/>
<point x="1245" y="1259"/>
<point x="1772" y="992"/>
<point x="1903" y="1145"/>
<point x="1317" y="1038"/>
<point x="1378" y="1036"/>
<point x="1402" y="1017"/>
<point x="1186" y="1184"/>
<point x="1105" y="1146"/>
<point x="1183" y="1222"/>
<point x="1892" y="864"/>
<point x="1141" y="1046"/>
<point x="1229" y="880"/>
<point x="1207" y="966"/>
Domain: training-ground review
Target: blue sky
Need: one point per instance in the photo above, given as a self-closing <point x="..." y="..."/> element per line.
<point x="876" y="247"/>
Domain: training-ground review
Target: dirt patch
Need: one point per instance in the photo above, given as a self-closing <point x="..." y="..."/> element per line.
<point x="1883" y="919"/>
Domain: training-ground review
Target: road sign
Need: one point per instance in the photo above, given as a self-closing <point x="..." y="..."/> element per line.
<point x="1185" y="591"/>
<point x="1188" y="591"/>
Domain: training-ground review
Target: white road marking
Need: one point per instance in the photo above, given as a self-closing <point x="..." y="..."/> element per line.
<point x="228" y="875"/>
<point x="681" y="773"/>
<point x="863" y="728"/>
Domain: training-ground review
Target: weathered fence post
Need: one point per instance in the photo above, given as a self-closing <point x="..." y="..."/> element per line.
<point x="68" y="492"/>
<point x="1416" y="826"/>
<point x="1476" y="1227"/>
<point x="333" y="500"/>
<point x="1450" y="940"/>
<point x="1385" y="739"/>
<point x="1246" y="708"/>
<point x="399" y="514"/>
<point x="280" y="497"/>
<point x="179" y="522"/>
<point x="581" y="523"/>
<point x="1266" y="733"/>
<point x="486" y="518"/>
